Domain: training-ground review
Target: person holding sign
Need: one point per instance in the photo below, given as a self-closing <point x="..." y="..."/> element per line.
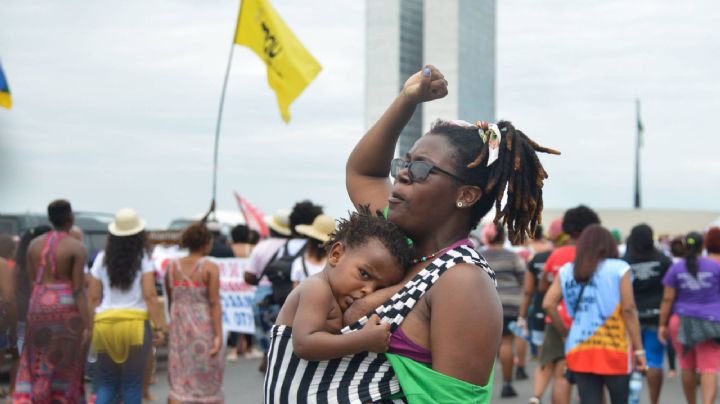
<point x="195" y="367"/>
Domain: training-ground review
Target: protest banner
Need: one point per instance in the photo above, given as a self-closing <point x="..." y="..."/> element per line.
<point x="236" y="296"/>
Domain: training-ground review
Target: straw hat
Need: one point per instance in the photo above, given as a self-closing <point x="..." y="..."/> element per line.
<point x="279" y="222"/>
<point x="320" y="229"/>
<point x="126" y="223"/>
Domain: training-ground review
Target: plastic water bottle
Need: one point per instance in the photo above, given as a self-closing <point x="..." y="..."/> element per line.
<point x="636" y="384"/>
<point x="515" y="328"/>
<point x="92" y="355"/>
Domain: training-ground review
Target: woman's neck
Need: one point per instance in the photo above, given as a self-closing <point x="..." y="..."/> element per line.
<point x="438" y="241"/>
<point x="195" y="255"/>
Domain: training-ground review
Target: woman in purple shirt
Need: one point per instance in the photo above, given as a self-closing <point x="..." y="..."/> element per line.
<point x="692" y="290"/>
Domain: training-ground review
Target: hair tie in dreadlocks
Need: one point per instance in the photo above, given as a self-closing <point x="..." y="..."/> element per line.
<point x="491" y="136"/>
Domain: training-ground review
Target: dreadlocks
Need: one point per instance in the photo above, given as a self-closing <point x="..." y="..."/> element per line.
<point x="517" y="170"/>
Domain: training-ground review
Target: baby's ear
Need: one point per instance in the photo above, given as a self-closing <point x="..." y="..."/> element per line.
<point x="336" y="252"/>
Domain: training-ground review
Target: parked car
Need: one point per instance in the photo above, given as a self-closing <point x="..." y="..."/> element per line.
<point x="93" y="224"/>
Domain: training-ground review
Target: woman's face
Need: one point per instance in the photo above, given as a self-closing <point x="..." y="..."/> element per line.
<point x="418" y="206"/>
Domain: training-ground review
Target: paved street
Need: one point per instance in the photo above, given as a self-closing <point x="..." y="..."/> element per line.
<point x="243" y="384"/>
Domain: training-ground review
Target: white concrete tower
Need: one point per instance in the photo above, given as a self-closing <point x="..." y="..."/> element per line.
<point x="459" y="38"/>
<point x="393" y="52"/>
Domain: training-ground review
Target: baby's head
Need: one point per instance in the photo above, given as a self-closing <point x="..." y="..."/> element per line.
<point x="366" y="253"/>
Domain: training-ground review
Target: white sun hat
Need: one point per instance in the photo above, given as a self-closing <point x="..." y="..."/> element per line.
<point x="127" y="223"/>
<point x="320" y="229"/>
<point x="279" y="221"/>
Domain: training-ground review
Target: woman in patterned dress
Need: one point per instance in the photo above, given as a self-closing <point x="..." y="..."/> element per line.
<point x="195" y="365"/>
<point x="58" y="327"/>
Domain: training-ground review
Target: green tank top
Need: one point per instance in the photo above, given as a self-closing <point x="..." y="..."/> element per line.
<point x="422" y="385"/>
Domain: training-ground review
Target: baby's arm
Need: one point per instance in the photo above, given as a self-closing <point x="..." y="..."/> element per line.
<point x="361" y="307"/>
<point x="312" y="342"/>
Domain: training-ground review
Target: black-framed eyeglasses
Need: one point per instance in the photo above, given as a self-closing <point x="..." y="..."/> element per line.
<point x="419" y="170"/>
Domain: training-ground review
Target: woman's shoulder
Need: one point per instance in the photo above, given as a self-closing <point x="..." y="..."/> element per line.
<point x="465" y="286"/>
<point x="209" y="264"/>
<point x="467" y="278"/>
<point x="616" y="264"/>
<point x="614" y="268"/>
<point x="709" y="263"/>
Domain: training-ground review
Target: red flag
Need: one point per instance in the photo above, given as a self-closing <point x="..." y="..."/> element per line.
<point x="253" y="216"/>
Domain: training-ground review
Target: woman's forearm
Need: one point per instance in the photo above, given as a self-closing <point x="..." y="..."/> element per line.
<point x="216" y="313"/>
<point x="371" y="156"/>
<point x="156" y="315"/>
<point x="632" y="324"/>
<point x="550" y="303"/>
<point x="544" y="283"/>
<point x="556" y="320"/>
<point x="528" y="290"/>
<point x="665" y="307"/>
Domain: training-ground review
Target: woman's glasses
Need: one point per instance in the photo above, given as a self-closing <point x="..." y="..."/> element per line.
<point x="418" y="171"/>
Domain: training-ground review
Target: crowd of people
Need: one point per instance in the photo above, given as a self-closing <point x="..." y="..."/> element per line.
<point x="597" y="310"/>
<point x="399" y="299"/>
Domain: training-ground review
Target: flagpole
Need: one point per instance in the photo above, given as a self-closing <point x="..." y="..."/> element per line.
<point x="219" y="120"/>
<point x="637" y="153"/>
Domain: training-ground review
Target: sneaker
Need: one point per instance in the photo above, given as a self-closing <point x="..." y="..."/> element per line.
<point x="508" y="391"/>
<point x="253" y="354"/>
<point x="520" y="373"/>
<point x="232" y="356"/>
<point x="534" y="400"/>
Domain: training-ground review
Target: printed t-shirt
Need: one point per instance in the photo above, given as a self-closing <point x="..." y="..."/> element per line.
<point x="536" y="266"/>
<point x="297" y="272"/>
<point x="648" y="287"/>
<point x="559" y="257"/>
<point x="265" y="250"/>
<point x="697" y="297"/>
<point x="509" y="272"/>
<point x="597" y="342"/>
<point x="114" y="298"/>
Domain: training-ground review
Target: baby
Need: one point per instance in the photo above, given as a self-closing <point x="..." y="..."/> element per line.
<point x="366" y="253"/>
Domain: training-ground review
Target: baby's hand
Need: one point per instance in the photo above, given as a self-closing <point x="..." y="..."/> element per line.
<point x="376" y="335"/>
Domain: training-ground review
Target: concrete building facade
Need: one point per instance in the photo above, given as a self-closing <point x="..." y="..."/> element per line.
<point x="457" y="36"/>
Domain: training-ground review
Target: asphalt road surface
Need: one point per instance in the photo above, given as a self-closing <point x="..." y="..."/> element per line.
<point x="243" y="384"/>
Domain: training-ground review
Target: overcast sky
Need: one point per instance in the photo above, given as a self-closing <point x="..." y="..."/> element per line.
<point x="115" y="103"/>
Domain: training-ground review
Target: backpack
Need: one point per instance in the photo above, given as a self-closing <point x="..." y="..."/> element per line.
<point x="278" y="273"/>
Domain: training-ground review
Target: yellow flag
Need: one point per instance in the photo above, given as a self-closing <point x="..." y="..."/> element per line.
<point x="290" y="67"/>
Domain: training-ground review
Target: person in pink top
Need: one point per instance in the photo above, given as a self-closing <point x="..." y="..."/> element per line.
<point x="195" y="366"/>
<point x="58" y="320"/>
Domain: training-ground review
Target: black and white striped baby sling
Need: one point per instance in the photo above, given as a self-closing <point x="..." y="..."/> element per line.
<point x="361" y="378"/>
